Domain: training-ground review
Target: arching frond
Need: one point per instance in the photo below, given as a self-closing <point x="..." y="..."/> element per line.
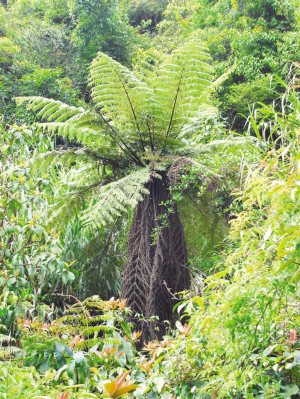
<point x="99" y="156"/>
<point x="119" y="94"/>
<point x="49" y="109"/>
<point x="183" y="86"/>
<point x="112" y="199"/>
<point x="66" y="157"/>
<point x="231" y="143"/>
<point x="105" y="201"/>
<point x="147" y="65"/>
<point x="84" y="125"/>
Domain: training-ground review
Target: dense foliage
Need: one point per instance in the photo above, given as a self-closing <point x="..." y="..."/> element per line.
<point x="146" y="148"/>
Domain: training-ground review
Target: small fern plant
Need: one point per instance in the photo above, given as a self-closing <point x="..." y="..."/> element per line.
<point x="94" y="321"/>
<point x="131" y="137"/>
<point x="98" y="334"/>
<point x="8" y="349"/>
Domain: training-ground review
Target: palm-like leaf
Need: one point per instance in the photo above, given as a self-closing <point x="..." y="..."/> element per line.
<point x="182" y="88"/>
<point x="229" y="144"/>
<point x="120" y="95"/>
<point x="85" y="125"/>
<point x="146" y="67"/>
<point x="112" y="199"/>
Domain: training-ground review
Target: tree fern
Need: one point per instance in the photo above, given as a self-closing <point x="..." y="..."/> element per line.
<point x="142" y="120"/>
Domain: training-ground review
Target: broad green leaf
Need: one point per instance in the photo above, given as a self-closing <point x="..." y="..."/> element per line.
<point x="159" y="382"/>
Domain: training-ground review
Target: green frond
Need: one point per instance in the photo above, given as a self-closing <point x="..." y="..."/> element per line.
<point x="84" y="125"/>
<point x="230" y="144"/>
<point x="58" y="157"/>
<point x="87" y="331"/>
<point x="103" y="317"/>
<point x="119" y="94"/>
<point x="183" y="87"/>
<point x="147" y="65"/>
<point x="48" y="109"/>
<point x="106" y="202"/>
<point x="223" y="77"/>
<point x="6" y="352"/>
<point x="112" y="199"/>
<point x="6" y="339"/>
<point x="91" y="158"/>
<point x="203" y="224"/>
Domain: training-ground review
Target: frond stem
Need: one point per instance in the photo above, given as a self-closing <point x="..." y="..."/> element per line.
<point x="175" y="101"/>
<point x="131" y="106"/>
<point x="130" y="153"/>
<point x="150" y="136"/>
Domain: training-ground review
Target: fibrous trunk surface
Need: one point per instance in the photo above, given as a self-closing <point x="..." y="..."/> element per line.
<point x="154" y="259"/>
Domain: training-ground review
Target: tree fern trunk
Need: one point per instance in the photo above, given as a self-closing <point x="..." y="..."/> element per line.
<point x="153" y="260"/>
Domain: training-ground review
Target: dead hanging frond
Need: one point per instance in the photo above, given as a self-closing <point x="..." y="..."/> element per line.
<point x="213" y="184"/>
<point x="177" y="165"/>
<point x="212" y="181"/>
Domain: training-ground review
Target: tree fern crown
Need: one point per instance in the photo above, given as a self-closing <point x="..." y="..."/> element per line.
<point x="137" y="123"/>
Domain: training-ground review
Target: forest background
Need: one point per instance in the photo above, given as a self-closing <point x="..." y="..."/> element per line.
<point x="238" y="337"/>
